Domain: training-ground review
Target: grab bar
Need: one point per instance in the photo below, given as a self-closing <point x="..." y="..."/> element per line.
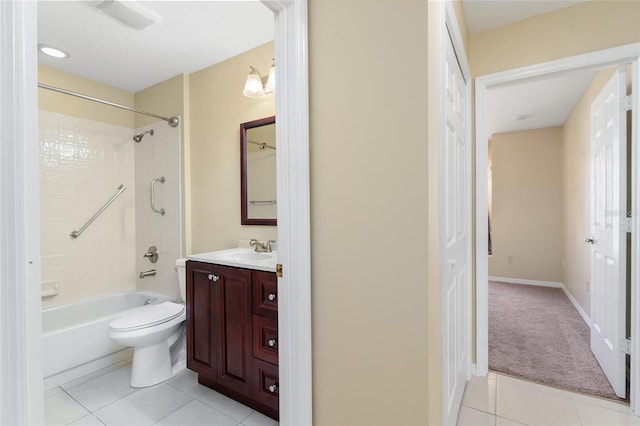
<point x="76" y="234"/>
<point x="262" y="201"/>
<point x="153" y="204"/>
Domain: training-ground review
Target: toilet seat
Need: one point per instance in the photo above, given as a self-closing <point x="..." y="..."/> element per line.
<point x="147" y="316"/>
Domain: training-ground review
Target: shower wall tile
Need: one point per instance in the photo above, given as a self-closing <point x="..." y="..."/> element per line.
<point x="81" y="164"/>
<point x="158" y="155"/>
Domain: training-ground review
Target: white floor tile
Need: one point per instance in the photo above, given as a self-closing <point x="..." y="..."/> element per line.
<point x="259" y="419"/>
<point x="195" y="414"/>
<point x="61" y="409"/>
<point x="592" y="415"/>
<point x="480" y="394"/>
<point x="228" y="406"/>
<point x="621" y="407"/>
<point x="506" y="422"/>
<point x="187" y="382"/>
<point x="144" y="407"/>
<point x="103" y="390"/>
<point x="470" y="417"/>
<point x="91" y="376"/>
<point x="533" y="407"/>
<point x="89" y="420"/>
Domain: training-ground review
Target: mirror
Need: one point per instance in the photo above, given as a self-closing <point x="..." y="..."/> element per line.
<point x="258" y="172"/>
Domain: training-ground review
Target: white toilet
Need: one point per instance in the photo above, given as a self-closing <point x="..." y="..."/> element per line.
<point x="156" y="333"/>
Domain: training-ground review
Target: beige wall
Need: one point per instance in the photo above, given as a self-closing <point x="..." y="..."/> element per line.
<point x="369" y="199"/>
<point x="217" y="107"/>
<point x="527" y="207"/>
<point x="577" y="147"/>
<point x="586" y="27"/>
<point x="69" y="105"/>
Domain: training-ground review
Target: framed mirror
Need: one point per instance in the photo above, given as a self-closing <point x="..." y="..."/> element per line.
<point x="258" y="172"/>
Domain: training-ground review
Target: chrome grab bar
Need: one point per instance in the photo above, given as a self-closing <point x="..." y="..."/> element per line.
<point x="153" y="204"/>
<point x="262" y="202"/>
<point x="76" y="234"/>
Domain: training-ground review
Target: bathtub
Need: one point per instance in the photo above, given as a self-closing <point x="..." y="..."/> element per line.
<point x="74" y="336"/>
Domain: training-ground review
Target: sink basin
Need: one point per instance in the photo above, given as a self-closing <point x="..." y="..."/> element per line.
<point x="243" y="256"/>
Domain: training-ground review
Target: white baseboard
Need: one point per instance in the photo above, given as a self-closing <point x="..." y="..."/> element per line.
<point x="526" y="282"/>
<point x="575" y="303"/>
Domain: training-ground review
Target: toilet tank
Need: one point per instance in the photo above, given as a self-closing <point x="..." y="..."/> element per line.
<point x="182" y="278"/>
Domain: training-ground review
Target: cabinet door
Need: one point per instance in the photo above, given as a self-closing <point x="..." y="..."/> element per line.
<point x="200" y="299"/>
<point x="233" y="328"/>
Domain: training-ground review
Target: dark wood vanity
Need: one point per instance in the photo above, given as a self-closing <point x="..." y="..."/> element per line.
<point x="232" y="332"/>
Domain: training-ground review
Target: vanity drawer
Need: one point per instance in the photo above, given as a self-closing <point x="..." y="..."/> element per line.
<point x="267" y="386"/>
<point x="265" y="339"/>
<point x="265" y="294"/>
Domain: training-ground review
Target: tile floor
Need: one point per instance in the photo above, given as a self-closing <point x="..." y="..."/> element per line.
<point x="499" y="400"/>
<point x="105" y="398"/>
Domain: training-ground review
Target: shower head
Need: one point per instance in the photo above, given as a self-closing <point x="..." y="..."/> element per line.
<point x="138" y="138"/>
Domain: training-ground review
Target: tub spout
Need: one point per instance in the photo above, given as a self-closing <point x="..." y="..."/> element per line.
<point x="149" y="273"/>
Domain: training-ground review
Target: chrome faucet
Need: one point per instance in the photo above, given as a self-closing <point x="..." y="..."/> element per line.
<point x="261" y="247"/>
<point x="149" y="273"/>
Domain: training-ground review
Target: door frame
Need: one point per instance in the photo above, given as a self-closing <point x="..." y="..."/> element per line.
<point x="599" y="59"/>
<point x="20" y="308"/>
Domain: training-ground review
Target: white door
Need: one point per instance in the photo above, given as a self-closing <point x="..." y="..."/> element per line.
<point x="457" y="163"/>
<point x="608" y="237"/>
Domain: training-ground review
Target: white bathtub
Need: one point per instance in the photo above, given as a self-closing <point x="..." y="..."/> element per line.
<point x="74" y="336"/>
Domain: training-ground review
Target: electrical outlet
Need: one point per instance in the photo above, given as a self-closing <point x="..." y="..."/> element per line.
<point x="509" y="259"/>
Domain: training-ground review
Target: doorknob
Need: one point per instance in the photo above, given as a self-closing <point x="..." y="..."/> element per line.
<point x="589" y="240"/>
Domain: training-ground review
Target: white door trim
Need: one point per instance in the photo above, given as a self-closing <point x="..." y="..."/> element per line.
<point x="20" y="313"/>
<point x="603" y="58"/>
<point x="20" y="318"/>
<point x="294" y="252"/>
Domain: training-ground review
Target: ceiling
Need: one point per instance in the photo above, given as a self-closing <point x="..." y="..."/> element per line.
<point x="190" y="36"/>
<point x="193" y="35"/>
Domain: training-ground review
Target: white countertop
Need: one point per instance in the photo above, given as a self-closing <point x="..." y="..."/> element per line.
<point x="240" y="258"/>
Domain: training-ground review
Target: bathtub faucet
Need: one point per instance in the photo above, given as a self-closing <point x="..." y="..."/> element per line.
<point x="149" y="273"/>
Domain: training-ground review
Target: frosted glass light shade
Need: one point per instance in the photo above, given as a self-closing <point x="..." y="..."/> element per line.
<point x="270" y="87"/>
<point x="253" y="87"/>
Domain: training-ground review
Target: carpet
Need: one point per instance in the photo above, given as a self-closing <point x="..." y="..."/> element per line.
<point x="536" y="333"/>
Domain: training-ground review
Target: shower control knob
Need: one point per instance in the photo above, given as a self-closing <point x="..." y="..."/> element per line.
<point x="213" y="278"/>
<point x="271" y="296"/>
<point x="273" y="388"/>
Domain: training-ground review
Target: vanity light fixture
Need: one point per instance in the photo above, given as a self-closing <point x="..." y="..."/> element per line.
<point x="257" y="86"/>
<point x="52" y="51"/>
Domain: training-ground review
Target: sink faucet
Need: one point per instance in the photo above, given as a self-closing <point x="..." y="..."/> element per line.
<point x="261" y="247"/>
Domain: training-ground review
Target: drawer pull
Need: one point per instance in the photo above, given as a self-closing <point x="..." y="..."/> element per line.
<point x="271" y="296"/>
<point x="213" y="278"/>
<point x="273" y="388"/>
<point x="272" y="342"/>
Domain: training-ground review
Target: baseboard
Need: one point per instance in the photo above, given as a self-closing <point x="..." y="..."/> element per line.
<point x="574" y="302"/>
<point x="526" y="282"/>
<point x="576" y="305"/>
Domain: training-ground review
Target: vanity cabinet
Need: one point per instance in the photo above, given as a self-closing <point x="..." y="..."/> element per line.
<point x="232" y="332"/>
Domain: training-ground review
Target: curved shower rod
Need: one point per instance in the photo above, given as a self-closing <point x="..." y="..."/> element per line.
<point x="172" y="121"/>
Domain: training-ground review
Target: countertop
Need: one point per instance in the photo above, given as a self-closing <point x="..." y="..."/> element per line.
<point x="240" y="258"/>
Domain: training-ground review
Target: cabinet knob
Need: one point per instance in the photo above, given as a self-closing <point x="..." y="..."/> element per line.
<point x="272" y="342"/>
<point x="213" y="278"/>
<point x="273" y="388"/>
<point x="271" y="296"/>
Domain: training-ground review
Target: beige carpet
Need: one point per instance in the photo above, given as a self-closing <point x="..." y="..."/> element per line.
<point x="536" y="333"/>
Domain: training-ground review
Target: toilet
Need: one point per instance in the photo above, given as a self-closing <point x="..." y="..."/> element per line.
<point x="157" y="335"/>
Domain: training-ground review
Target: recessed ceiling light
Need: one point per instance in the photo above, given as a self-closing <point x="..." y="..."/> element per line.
<point x="52" y="51"/>
<point x="521" y="117"/>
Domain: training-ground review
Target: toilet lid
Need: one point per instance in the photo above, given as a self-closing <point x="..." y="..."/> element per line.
<point x="147" y="316"/>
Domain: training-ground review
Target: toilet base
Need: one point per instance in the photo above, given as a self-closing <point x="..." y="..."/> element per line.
<point x="151" y="365"/>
